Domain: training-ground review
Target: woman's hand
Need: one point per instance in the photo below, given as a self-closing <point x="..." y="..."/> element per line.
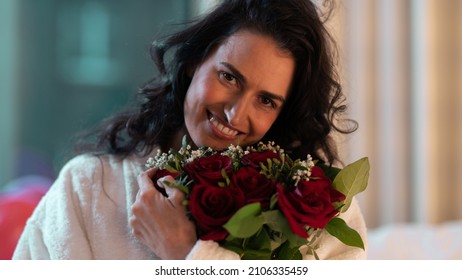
<point x="160" y="222"/>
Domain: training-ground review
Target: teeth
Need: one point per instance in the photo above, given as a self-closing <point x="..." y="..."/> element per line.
<point x="222" y="128"/>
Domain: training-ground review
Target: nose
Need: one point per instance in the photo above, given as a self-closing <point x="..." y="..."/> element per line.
<point x="237" y="112"/>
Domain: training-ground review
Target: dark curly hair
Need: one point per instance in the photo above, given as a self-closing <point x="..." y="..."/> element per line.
<point x="313" y="105"/>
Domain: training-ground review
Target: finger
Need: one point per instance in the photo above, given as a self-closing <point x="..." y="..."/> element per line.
<point x="165" y="181"/>
<point x="147" y="193"/>
<point x="174" y="194"/>
<point x="151" y="172"/>
<point x="144" y="179"/>
<point x="137" y="228"/>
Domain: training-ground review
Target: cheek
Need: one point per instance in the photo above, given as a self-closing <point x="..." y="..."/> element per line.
<point x="188" y="104"/>
<point x="200" y="94"/>
<point x="193" y="99"/>
<point x="264" y="123"/>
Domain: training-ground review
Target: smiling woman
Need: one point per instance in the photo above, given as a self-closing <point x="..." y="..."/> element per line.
<point x="237" y="93"/>
<point x="247" y="71"/>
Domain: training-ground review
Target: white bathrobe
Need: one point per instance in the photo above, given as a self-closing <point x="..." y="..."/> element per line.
<point x="85" y="215"/>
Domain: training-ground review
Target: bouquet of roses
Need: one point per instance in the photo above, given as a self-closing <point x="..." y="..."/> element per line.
<point x="259" y="202"/>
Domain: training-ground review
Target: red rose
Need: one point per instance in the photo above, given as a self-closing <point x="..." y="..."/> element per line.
<point x="162" y="173"/>
<point x="256" y="187"/>
<point x="309" y="203"/>
<point x="208" y="169"/>
<point x="212" y="206"/>
<point x="253" y="159"/>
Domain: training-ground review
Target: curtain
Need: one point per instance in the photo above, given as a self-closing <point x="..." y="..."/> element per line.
<point x="401" y="68"/>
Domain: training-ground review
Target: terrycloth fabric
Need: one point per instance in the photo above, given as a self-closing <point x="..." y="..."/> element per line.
<point x="85" y="215"/>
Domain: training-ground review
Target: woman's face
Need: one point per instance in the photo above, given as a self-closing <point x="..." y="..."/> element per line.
<point x="237" y="93"/>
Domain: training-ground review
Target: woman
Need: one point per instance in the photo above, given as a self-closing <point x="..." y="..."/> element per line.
<point x="249" y="70"/>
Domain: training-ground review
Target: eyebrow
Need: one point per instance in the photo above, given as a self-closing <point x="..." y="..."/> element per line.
<point x="243" y="80"/>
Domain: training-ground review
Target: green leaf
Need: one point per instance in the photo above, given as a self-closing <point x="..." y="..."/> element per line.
<point x="286" y="252"/>
<point x="251" y="254"/>
<point x="352" y="180"/>
<point x="177" y="185"/>
<point x="258" y="247"/>
<point x="225" y="176"/>
<point x="246" y="221"/>
<point x="171" y="169"/>
<point x="260" y="241"/>
<point x="277" y="222"/>
<point x="184" y="141"/>
<point x="295" y="241"/>
<point x="330" y="171"/>
<point x="273" y="201"/>
<point x="233" y="244"/>
<point x="339" y="229"/>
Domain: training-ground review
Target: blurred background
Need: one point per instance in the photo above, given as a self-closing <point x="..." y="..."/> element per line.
<point x="66" y="64"/>
<point x="401" y="62"/>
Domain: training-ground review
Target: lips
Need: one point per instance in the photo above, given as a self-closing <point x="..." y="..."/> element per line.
<point x="222" y="127"/>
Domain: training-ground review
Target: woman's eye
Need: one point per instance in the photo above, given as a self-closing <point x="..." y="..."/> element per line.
<point x="266" y="101"/>
<point x="228" y="77"/>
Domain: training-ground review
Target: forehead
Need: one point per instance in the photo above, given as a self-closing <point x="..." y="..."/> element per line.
<point x="248" y="41"/>
<point x="259" y="59"/>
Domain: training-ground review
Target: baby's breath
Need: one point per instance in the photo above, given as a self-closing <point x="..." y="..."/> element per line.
<point x="301" y="169"/>
<point x="233" y="152"/>
<point x="157" y="161"/>
<point x="196" y="154"/>
<point x="262" y="147"/>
